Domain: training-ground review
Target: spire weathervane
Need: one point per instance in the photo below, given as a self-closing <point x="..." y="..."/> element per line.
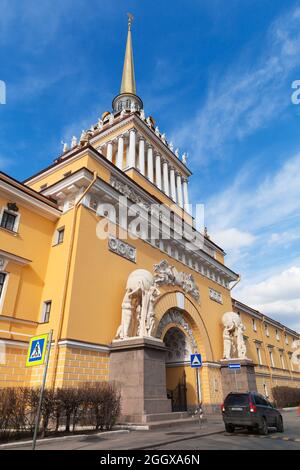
<point x="130" y="20"/>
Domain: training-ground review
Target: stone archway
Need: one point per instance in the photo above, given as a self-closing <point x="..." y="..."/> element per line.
<point x="188" y="318"/>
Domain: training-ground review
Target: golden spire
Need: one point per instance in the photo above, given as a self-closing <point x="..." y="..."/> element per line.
<point x="128" y="79"/>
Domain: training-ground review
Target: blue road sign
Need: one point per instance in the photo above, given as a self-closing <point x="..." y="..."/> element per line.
<point x="36" y="350"/>
<point x="196" y="361"/>
<point x="234" y="366"/>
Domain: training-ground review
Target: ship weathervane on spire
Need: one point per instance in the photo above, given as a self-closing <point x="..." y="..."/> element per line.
<point x="130" y="20"/>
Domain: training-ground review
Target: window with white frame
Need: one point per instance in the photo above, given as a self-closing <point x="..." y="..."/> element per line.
<point x="46" y="311"/>
<point x="286" y="339"/>
<point x="258" y="351"/>
<point x="59" y="236"/>
<point x="2" y="283"/>
<point x="254" y="324"/>
<point x="291" y="362"/>
<point x="282" y="361"/>
<point x="277" y="335"/>
<point x="9" y="219"/>
<point x="267" y="330"/>
<point x="271" y="357"/>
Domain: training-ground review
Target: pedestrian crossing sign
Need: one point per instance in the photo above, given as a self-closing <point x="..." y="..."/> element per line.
<point x="36" y="350"/>
<point x="196" y="360"/>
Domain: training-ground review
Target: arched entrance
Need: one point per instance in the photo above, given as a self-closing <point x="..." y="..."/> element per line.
<point x="176" y="331"/>
<point x="178" y="353"/>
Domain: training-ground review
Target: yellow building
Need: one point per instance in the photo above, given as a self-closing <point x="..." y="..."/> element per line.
<point x="64" y="267"/>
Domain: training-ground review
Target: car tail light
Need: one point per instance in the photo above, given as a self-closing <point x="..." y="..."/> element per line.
<point x="222" y="408"/>
<point x="252" y="407"/>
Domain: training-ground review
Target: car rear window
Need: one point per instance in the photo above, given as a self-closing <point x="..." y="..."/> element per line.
<point x="237" y="399"/>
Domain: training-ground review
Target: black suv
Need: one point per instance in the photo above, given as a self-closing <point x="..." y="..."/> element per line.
<point x="252" y="411"/>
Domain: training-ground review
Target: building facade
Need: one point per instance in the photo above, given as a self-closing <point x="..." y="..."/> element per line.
<point x="106" y="283"/>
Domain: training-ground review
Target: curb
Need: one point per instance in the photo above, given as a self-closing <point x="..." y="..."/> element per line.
<point x="292" y="408"/>
<point x="47" y="439"/>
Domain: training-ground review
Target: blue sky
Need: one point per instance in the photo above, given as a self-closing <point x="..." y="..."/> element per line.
<point x="216" y="75"/>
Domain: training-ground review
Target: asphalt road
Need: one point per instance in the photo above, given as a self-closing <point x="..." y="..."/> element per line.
<point x="242" y="440"/>
<point x="210" y="436"/>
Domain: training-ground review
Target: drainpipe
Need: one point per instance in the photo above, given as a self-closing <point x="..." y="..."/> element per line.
<point x="268" y="360"/>
<point x="66" y="285"/>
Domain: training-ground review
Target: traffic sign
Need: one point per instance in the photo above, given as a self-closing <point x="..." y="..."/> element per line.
<point x="196" y="360"/>
<point x="36" y="350"/>
<point x="234" y="366"/>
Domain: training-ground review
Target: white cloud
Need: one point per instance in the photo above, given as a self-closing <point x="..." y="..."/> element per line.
<point x="233" y="238"/>
<point x="277" y="296"/>
<point x="258" y="206"/>
<point x="245" y="99"/>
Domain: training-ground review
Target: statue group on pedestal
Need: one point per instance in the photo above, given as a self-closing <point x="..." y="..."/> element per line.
<point x="138" y="316"/>
<point x="233" y="336"/>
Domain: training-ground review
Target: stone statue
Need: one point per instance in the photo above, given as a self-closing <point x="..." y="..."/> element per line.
<point x="296" y="354"/>
<point x="74" y="141"/>
<point x="157" y="131"/>
<point x="163" y="138"/>
<point x="233" y="336"/>
<point x="148" y="121"/>
<point x="123" y="112"/>
<point x="138" y="315"/>
<point x="184" y="158"/>
<point x="128" y="308"/>
<point x="65" y="146"/>
<point x="100" y="124"/>
<point x="228" y="342"/>
<point x="177" y="152"/>
<point x="111" y="119"/>
<point x="165" y="274"/>
<point x="142" y="114"/>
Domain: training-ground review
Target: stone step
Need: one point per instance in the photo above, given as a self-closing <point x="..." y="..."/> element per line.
<point x="166" y="416"/>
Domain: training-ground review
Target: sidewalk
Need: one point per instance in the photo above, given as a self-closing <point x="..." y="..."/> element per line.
<point x="132" y="440"/>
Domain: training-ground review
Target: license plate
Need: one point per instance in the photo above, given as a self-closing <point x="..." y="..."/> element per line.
<point x="236" y="409"/>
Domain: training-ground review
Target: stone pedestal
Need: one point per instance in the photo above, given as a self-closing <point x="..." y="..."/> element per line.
<point x="238" y="380"/>
<point x="138" y="366"/>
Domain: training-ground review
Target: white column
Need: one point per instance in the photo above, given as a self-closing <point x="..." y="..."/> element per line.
<point x="142" y="155"/>
<point x="179" y="190"/>
<point x="173" y="184"/>
<point x="120" y="153"/>
<point x="158" y="171"/>
<point x="185" y="191"/>
<point x="131" y="157"/>
<point x="150" y="163"/>
<point x="166" y="177"/>
<point x="109" y="153"/>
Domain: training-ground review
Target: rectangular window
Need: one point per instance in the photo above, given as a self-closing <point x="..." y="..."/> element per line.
<point x="46" y="311"/>
<point x="286" y="339"/>
<point x="254" y="324"/>
<point x="282" y="361"/>
<point x="271" y="358"/>
<point x="277" y="335"/>
<point x="8" y="221"/>
<point x="267" y="330"/>
<point x="59" y="236"/>
<point x="2" y="281"/>
<point x="259" y="355"/>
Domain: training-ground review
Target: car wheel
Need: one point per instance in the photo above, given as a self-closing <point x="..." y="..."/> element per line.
<point x="263" y="429"/>
<point x="279" y="425"/>
<point x="250" y="429"/>
<point x="229" y="428"/>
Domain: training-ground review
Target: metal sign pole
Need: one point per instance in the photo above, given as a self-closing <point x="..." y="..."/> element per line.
<point x="236" y="385"/>
<point x="38" y="414"/>
<point x="199" y="396"/>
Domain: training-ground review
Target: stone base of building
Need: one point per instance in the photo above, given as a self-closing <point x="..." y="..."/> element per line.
<point x="238" y="380"/>
<point x="138" y="366"/>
